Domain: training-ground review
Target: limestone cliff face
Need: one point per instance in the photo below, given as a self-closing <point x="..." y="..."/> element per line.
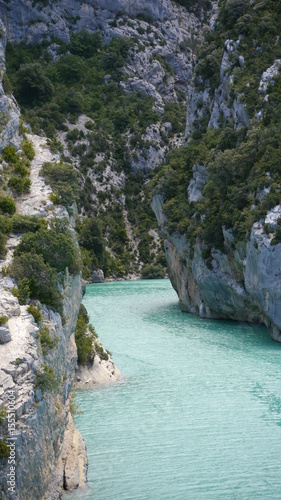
<point x="50" y="452"/>
<point x="241" y="284"/>
<point x="9" y="111"/>
<point x="33" y="21"/>
<point x="160" y="64"/>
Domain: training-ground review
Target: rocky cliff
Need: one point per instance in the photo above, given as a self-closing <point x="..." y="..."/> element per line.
<point x="226" y="264"/>
<point x="9" y="111"/>
<point x="50" y="452"/>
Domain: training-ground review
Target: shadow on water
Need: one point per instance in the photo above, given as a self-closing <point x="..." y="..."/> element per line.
<point x="227" y="333"/>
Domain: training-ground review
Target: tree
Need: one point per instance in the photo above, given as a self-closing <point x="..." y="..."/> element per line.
<point x="33" y="85"/>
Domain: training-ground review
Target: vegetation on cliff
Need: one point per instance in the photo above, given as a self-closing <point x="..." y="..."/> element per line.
<point x="86" y="77"/>
<point x="243" y="164"/>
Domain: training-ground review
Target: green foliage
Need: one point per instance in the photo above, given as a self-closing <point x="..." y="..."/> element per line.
<point x="9" y="154"/>
<point x="4" y="450"/>
<point x="36" y="279"/>
<point x="3" y="241"/>
<point x="55" y="245"/>
<point x="46" y="340"/>
<point x="84" y="338"/>
<point x="32" y="85"/>
<point x="194" y="3"/>
<point x="3" y="320"/>
<point x="63" y="180"/>
<point x="7" y="205"/>
<point x="85" y="44"/>
<point x="23" y="290"/>
<point x="27" y="223"/>
<point x="28" y="149"/>
<point x="19" y="185"/>
<point x="153" y="271"/>
<point x="35" y="311"/>
<point x="277" y="237"/>
<point x="102" y="353"/>
<point x="46" y="379"/>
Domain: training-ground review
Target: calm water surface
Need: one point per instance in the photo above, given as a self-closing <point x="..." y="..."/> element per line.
<point x="198" y="412"/>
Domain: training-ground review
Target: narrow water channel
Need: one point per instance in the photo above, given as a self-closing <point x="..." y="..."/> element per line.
<point x="198" y="412"/>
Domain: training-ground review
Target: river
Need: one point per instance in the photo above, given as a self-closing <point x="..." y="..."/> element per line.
<point x="197" y="414"/>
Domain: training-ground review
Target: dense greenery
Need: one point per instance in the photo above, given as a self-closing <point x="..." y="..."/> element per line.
<point x="40" y="262"/>
<point x="86" y="340"/>
<point x="85" y="78"/>
<point x="240" y="162"/>
<point x="63" y="179"/>
<point x="14" y="181"/>
<point x="46" y="379"/>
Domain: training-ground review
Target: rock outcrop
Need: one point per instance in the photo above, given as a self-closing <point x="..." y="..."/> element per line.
<point x="160" y="64"/>
<point x="9" y="111"/>
<point x="51" y="454"/>
<point x="242" y="284"/>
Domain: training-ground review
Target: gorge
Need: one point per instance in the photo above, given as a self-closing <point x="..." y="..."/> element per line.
<point x="106" y="110"/>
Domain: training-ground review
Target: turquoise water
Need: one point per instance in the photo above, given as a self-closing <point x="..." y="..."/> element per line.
<point x="198" y="412"/>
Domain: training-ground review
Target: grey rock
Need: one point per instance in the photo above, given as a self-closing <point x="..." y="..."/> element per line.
<point x="98" y="276"/>
<point x="5" y="335"/>
<point x="196" y="184"/>
<point x="243" y="285"/>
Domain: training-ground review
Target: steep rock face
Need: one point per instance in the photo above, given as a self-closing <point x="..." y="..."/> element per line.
<point x="220" y="107"/>
<point x="243" y="284"/>
<point x="44" y="428"/>
<point x="160" y="65"/>
<point x="9" y="111"/>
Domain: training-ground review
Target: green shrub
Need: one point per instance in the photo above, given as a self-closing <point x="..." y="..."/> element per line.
<point x="63" y="180"/>
<point x="84" y="338"/>
<point x="101" y="351"/>
<point x="28" y="149"/>
<point x="33" y="86"/>
<point x="7" y="205"/>
<point x="37" y="279"/>
<point x="9" y="154"/>
<point x="3" y="241"/>
<point x="35" y="311"/>
<point x="47" y="342"/>
<point x="153" y="271"/>
<point x="3" y="320"/>
<point x="23" y="290"/>
<point x="19" y="185"/>
<point x="46" y="379"/>
<point x="4" y="450"/>
<point x="27" y="223"/>
<point x="56" y="246"/>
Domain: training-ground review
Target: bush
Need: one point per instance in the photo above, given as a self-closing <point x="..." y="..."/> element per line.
<point x="35" y="311"/>
<point x="63" y="180"/>
<point x="46" y="379"/>
<point x="33" y="86"/>
<point x="55" y="245"/>
<point x="84" y="338"/>
<point x="101" y="351"/>
<point x="19" y="185"/>
<point x="4" y="450"/>
<point x="9" y="154"/>
<point x="27" y="223"/>
<point x="46" y="341"/>
<point x="37" y="280"/>
<point x="3" y="241"/>
<point x="3" y="320"/>
<point x="152" y="271"/>
<point x="28" y="149"/>
<point x="7" y="205"/>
